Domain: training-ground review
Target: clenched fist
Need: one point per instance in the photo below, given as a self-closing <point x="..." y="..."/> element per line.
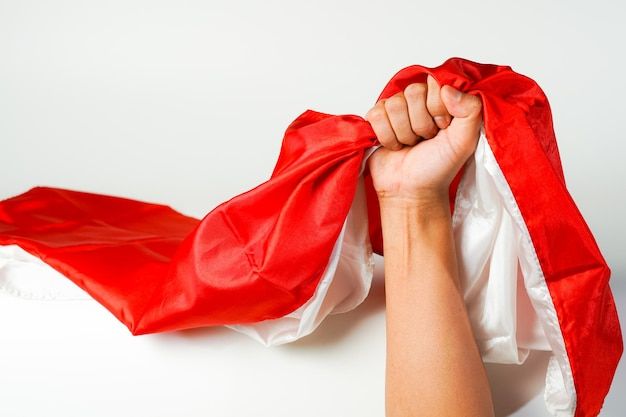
<point x="427" y="133"/>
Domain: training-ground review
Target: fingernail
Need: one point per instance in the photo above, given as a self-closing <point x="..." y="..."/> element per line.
<point x="441" y="121"/>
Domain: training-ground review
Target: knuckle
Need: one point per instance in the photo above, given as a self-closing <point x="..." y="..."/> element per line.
<point x="395" y="104"/>
<point x="415" y="91"/>
<point x="375" y="114"/>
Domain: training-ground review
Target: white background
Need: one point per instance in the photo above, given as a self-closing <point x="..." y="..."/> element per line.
<point x="185" y="103"/>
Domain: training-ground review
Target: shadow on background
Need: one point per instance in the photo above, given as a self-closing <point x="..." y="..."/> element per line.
<point x="336" y="327"/>
<point x="512" y="385"/>
<point x="333" y="328"/>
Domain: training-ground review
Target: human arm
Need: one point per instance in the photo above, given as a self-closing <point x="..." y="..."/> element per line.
<point x="433" y="367"/>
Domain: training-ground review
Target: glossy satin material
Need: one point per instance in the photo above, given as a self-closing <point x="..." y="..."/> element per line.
<point x="262" y="254"/>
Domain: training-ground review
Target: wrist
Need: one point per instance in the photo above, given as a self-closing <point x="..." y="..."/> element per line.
<point x="415" y="227"/>
<point x="401" y="217"/>
<point x="423" y="201"/>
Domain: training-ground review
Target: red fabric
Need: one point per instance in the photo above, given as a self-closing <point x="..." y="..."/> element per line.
<point x="261" y="254"/>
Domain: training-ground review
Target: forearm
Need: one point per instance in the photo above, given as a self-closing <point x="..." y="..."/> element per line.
<point x="433" y="364"/>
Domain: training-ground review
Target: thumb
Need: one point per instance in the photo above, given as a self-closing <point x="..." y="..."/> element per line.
<point x="466" y="110"/>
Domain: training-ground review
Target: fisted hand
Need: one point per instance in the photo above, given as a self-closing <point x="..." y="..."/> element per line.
<point x="427" y="133"/>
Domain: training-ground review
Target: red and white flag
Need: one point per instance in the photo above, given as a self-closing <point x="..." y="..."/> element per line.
<point x="274" y="261"/>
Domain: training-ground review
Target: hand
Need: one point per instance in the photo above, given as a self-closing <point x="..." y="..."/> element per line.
<point x="427" y="133"/>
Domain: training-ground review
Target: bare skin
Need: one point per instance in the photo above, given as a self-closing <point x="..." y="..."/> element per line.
<point x="434" y="367"/>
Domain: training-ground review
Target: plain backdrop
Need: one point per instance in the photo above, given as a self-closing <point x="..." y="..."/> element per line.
<point x="185" y="103"/>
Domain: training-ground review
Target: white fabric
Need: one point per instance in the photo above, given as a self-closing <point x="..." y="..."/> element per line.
<point x="504" y="289"/>
<point x="510" y="280"/>
<point x="344" y="285"/>
<point x="26" y="276"/>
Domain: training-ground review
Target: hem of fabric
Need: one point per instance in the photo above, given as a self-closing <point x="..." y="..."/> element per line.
<point x="559" y="393"/>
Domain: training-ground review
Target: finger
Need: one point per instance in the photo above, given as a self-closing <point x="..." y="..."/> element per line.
<point x="435" y="105"/>
<point x="398" y="114"/>
<point x="422" y="123"/>
<point x="377" y="116"/>
<point x="466" y="110"/>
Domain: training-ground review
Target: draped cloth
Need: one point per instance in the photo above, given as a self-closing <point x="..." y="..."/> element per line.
<point x="274" y="261"/>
